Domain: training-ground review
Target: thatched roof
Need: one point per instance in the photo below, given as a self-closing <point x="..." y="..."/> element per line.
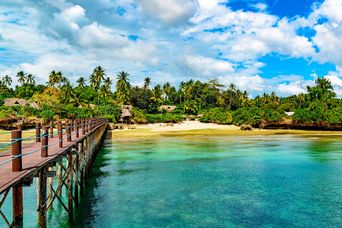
<point x="168" y="108"/>
<point x="129" y="107"/>
<point x="20" y="102"/>
<point x="125" y="113"/>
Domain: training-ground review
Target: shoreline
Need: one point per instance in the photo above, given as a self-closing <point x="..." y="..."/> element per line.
<point x="189" y="128"/>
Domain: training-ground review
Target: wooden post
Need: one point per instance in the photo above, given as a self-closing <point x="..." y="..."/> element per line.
<point x="60" y="178"/>
<point x="51" y="129"/>
<point x="42" y="198"/>
<point x="50" y="186"/>
<point x="45" y="142"/>
<point x="81" y="171"/>
<point x="38" y="132"/>
<point x="77" y="129"/>
<point x="16" y="150"/>
<point x="82" y="126"/>
<point x="68" y="130"/>
<point x="60" y="134"/>
<point x="76" y="179"/>
<point x="69" y="183"/>
<point x="17" y="190"/>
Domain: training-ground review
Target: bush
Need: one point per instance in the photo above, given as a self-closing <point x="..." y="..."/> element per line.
<point x="139" y="116"/>
<point x="248" y="115"/>
<point x="217" y="115"/>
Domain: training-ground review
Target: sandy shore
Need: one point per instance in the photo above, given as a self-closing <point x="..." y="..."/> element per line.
<point x="186" y="126"/>
<point x="190" y="128"/>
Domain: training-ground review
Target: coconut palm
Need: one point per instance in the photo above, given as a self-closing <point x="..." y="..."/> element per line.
<point x="96" y="79"/>
<point x="81" y="82"/>
<point x="31" y="79"/>
<point x="167" y="90"/>
<point x="55" y="78"/>
<point x="7" y="80"/>
<point x="123" y="87"/>
<point x="21" y="77"/>
<point x="106" y="86"/>
<point x="147" y="82"/>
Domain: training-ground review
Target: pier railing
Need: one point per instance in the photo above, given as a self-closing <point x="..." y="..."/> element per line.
<point x="42" y="158"/>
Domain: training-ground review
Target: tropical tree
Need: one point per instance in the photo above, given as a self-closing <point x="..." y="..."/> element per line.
<point x="123" y="88"/>
<point x="21" y="77"/>
<point x="7" y="80"/>
<point x="55" y="78"/>
<point x="147" y="82"/>
<point x="31" y="79"/>
<point x="81" y="82"/>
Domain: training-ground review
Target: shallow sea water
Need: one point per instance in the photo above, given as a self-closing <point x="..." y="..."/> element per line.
<point x="201" y="181"/>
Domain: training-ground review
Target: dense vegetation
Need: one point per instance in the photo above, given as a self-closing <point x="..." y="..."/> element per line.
<point x="93" y="97"/>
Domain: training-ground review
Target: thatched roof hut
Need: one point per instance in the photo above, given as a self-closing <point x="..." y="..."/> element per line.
<point x="168" y="108"/>
<point x="126" y="114"/>
<point x="128" y="107"/>
<point x="19" y="102"/>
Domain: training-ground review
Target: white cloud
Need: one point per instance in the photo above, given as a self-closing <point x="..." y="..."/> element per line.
<point x="208" y="67"/>
<point x="171" y="11"/>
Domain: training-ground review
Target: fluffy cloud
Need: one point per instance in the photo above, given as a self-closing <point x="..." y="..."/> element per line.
<point x="169" y="41"/>
<point x="171" y="11"/>
<point x="208" y="67"/>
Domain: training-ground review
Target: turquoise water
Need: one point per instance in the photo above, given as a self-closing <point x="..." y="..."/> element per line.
<point x="201" y="181"/>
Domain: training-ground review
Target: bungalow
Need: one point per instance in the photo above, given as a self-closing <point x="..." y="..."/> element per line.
<point x="126" y="115"/>
<point x="9" y="102"/>
<point x="167" y="108"/>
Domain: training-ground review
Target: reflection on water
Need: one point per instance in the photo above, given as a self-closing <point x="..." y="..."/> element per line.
<point x="213" y="182"/>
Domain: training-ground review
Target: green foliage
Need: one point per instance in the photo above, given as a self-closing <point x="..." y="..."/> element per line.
<point x="47" y="113"/>
<point x="5" y="112"/>
<point x="108" y="111"/>
<point x="164" y="118"/>
<point x="217" y="115"/>
<point x="249" y="115"/>
<point x="139" y="116"/>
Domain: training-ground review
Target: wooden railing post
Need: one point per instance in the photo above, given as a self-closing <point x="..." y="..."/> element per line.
<point x="45" y="142"/>
<point x="68" y="131"/>
<point x="60" y="134"/>
<point x="83" y="127"/>
<point x="17" y="190"/>
<point x="16" y="150"/>
<point x="77" y="129"/>
<point x="38" y="126"/>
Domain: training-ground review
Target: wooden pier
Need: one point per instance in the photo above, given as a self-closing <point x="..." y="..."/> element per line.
<point x="67" y="154"/>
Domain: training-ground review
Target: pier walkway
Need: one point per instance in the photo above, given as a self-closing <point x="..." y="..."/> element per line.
<point x="66" y="152"/>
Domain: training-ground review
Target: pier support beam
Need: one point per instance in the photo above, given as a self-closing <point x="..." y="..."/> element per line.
<point x="69" y="183"/>
<point x="42" y="198"/>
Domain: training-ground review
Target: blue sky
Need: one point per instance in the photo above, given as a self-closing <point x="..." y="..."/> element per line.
<point x="259" y="45"/>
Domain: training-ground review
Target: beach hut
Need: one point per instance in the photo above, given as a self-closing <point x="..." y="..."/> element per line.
<point x="126" y="115"/>
<point x="167" y="108"/>
<point x="10" y="102"/>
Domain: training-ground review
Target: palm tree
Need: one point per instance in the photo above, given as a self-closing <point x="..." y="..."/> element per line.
<point x="55" y="78"/>
<point x="123" y="88"/>
<point x="7" y="80"/>
<point x="147" y="82"/>
<point x="96" y="78"/>
<point x="31" y="79"/>
<point x="81" y="82"/>
<point x="21" y="77"/>
<point x="167" y="90"/>
<point x="106" y="86"/>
